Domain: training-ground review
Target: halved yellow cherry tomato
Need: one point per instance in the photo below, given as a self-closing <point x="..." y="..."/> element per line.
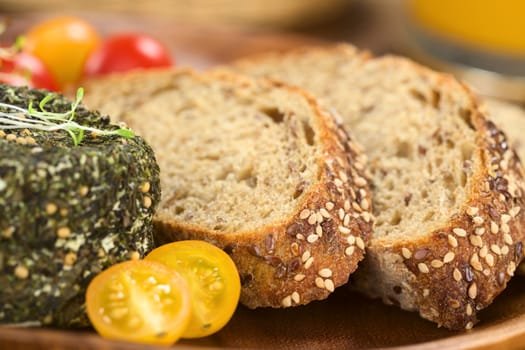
<point x="213" y="280"/>
<point x="139" y="301"/>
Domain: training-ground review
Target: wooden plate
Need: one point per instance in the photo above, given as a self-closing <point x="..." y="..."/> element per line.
<point x="345" y="320"/>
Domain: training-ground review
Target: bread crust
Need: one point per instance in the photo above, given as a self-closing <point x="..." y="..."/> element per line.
<point x="307" y="255"/>
<point x="457" y="269"/>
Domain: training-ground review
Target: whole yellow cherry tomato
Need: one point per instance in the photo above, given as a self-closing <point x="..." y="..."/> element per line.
<point x="63" y="44"/>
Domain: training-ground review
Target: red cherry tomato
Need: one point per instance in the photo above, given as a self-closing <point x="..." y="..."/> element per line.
<point x="127" y="51"/>
<point x="25" y="69"/>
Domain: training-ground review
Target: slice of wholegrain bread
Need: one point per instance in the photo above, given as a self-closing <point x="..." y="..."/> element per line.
<point x="255" y="167"/>
<point x="447" y="190"/>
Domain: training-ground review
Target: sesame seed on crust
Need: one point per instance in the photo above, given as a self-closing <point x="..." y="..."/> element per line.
<point x="478" y="220"/>
<point x="452" y="241"/>
<point x="457" y="275"/>
<point x="489" y="258"/>
<point x="494" y="228"/>
<point x="407" y="254"/>
<point x="325" y="273"/>
<point x="473" y="291"/>
<point x="299" y="277"/>
<point x="436" y="263"/>
<point x="505" y="218"/>
<point x="312" y="219"/>
<point x="360" y="182"/>
<point x="349" y="251"/>
<point x="324" y="213"/>
<point x="460" y="232"/>
<point x="496" y="249"/>
<point x="305" y="213"/>
<point x="449" y="257"/>
<point x="312" y="238"/>
<point x="308" y="263"/>
<point x="344" y="230"/>
<point x="360" y="243"/>
<point x="472" y="211"/>
<point x="511" y="268"/>
<point x="329" y="285"/>
<point x="468" y="310"/>
<point x="296" y="298"/>
<point x="343" y="176"/>
<point x="475" y="263"/>
<point x="365" y="205"/>
<point x="479" y="231"/>
<point x="423" y="268"/>
<point x="346" y="220"/>
<point x="476" y="241"/>
<point x="306" y="255"/>
<point x="514" y="211"/>
<point x="483" y="251"/>
<point x="287" y="301"/>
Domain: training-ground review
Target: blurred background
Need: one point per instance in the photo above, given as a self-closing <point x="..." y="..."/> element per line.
<point x="481" y="41"/>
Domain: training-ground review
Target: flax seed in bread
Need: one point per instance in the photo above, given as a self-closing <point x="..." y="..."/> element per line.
<point x="446" y="188"/>
<point x="256" y="168"/>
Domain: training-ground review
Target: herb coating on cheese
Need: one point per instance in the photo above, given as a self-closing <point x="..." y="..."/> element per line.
<point x="68" y="210"/>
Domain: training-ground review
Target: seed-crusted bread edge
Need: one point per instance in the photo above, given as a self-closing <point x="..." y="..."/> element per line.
<point x="458" y="269"/>
<point x="306" y="256"/>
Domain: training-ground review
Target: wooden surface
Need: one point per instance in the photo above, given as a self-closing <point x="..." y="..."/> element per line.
<point x="344" y="321"/>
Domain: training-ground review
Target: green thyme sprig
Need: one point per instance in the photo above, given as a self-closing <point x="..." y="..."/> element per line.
<point x="15" y="117"/>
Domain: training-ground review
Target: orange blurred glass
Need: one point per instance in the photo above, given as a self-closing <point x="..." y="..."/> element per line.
<point x="494" y="25"/>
